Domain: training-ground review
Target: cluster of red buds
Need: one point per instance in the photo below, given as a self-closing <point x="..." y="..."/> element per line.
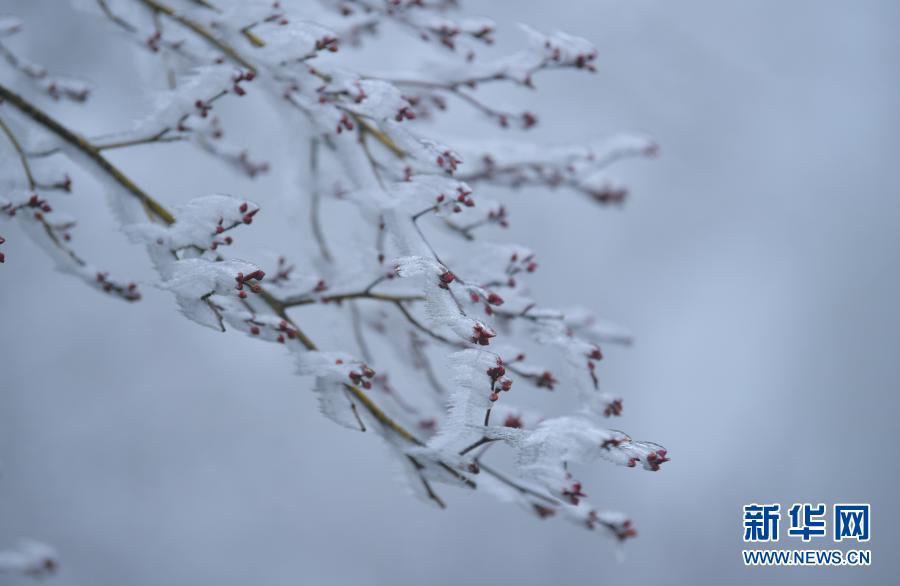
<point x="610" y="443"/>
<point x="363" y="377"/>
<point x="463" y="196"/>
<point x="494" y="299"/>
<point x="455" y="203"/>
<point x="153" y="41"/>
<point x="405" y="113"/>
<point x="546" y="380"/>
<point x="203" y="107"/>
<point x="447" y="34"/>
<point x="581" y="61"/>
<point x="422" y="103"/>
<point x="220" y="228"/>
<point x="238" y="77"/>
<point x="513" y="421"/>
<point x="655" y="459"/>
<point x="526" y="119"/>
<point x="481" y="334"/>
<point x="529" y="120"/>
<point x="248" y="215"/>
<point x="129" y="291"/>
<point x="327" y="43"/>
<point x="360" y="93"/>
<point x="33" y="202"/>
<point x="344" y="123"/>
<point x="277" y="15"/>
<point x="448" y="161"/>
<point x="614" y="407"/>
<point x="282" y="271"/>
<point x="499" y="216"/>
<point x="490" y="299"/>
<point x="76" y="93"/>
<point x="518" y="265"/>
<point x="445" y="279"/>
<point x="622" y="530"/>
<point x="243" y="279"/>
<point x="586" y="61"/>
<point x="251" y="168"/>
<point x="573" y="493"/>
<point x="608" y="194"/>
<point x="499" y="380"/>
<point x="285" y="329"/>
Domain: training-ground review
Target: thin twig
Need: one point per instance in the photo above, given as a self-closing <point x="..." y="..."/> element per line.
<point x="199" y="30"/>
<point x="315" y="199"/>
<point x="481" y="442"/>
<point x="23" y="158"/>
<point x="156" y="138"/>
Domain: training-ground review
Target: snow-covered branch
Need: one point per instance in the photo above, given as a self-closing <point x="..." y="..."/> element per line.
<point x="452" y="316"/>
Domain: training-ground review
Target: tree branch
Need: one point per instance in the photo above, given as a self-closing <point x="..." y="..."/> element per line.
<point x="155" y="209"/>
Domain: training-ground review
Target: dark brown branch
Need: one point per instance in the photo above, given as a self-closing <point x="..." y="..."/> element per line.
<point x="481" y="442"/>
<point x="153" y="208"/>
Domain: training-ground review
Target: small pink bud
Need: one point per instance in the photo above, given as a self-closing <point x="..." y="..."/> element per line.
<point x="494" y="299"/>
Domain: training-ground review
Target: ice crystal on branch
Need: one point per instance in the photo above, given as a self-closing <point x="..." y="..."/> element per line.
<point x="428" y="313"/>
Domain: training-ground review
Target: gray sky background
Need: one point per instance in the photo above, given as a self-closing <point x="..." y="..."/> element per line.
<point x="756" y="262"/>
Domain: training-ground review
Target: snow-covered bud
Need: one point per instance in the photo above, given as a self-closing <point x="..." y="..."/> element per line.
<point x="482" y="334"/>
<point x="446" y="278"/>
<point x="546" y="380"/>
<point x="614" y="407"/>
<point x="513" y="421"/>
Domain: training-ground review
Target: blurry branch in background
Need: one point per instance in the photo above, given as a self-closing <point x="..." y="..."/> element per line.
<point x="29" y="558"/>
<point x="365" y="149"/>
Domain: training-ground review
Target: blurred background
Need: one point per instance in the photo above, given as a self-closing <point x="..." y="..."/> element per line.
<point x="756" y="262"/>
